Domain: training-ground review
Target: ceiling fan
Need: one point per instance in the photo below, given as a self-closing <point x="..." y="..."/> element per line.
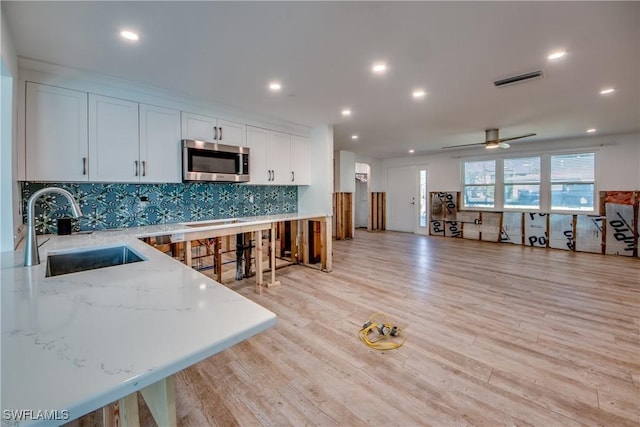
<point x="492" y="140"/>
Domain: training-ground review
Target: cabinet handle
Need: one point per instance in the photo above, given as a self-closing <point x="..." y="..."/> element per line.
<point x="293" y="177"/>
<point x="144" y="168"/>
<point x="269" y="175"/>
<point x="273" y="175"/>
<point x="136" y="163"/>
<point x="215" y="133"/>
<point x="220" y="128"/>
<point x="84" y="166"/>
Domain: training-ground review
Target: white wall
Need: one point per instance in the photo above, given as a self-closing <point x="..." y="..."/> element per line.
<point x="344" y="172"/>
<point x="618" y="161"/>
<point x="10" y="219"/>
<point x="317" y="198"/>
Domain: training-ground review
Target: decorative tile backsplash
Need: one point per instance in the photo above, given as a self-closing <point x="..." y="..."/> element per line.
<point x="107" y="206"/>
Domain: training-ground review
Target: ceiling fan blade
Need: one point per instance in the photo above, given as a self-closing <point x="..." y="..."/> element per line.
<point x="464" y="145"/>
<point x="515" y="137"/>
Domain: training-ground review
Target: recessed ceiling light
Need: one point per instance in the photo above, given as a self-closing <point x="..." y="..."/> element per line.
<point x="412" y="151"/>
<point x="556" y="55"/>
<point x="129" y="35"/>
<point x="346" y="112"/>
<point x="592" y="130"/>
<point x="275" y="86"/>
<point x="419" y="93"/>
<point x="607" y="91"/>
<point x="379" y="67"/>
<point x="354" y="136"/>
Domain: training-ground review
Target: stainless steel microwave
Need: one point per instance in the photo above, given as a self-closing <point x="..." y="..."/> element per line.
<point x="210" y="161"/>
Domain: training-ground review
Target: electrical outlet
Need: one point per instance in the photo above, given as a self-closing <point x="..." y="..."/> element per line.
<point x="144" y="202"/>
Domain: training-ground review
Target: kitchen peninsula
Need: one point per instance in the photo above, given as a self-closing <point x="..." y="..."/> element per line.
<point x="77" y="342"/>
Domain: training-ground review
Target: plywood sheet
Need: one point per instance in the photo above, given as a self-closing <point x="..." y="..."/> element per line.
<point x="620" y="230"/>
<point x="535" y="229"/>
<point x="490" y="226"/>
<point x="589" y="233"/>
<point x="561" y="232"/>
<point x="511" y="228"/>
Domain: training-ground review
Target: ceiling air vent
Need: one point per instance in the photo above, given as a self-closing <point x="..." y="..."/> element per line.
<point x="534" y="75"/>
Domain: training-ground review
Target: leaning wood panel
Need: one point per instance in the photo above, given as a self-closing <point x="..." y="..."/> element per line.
<point x="377" y="207"/>
<point x="343" y="215"/>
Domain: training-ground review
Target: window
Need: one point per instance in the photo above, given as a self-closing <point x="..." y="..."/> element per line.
<point x="479" y="183"/>
<point x="522" y="183"/>
<point x="547" y="183"/>
<point x="572" y="182"/>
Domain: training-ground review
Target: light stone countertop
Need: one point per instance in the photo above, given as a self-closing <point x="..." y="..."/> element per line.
<point x="80" y="341"/>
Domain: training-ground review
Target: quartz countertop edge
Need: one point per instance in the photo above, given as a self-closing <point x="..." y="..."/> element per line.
<point x="79" y="341"/>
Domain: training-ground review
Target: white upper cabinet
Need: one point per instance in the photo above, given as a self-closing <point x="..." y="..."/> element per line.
<point x="113" y="140"/>
<point x="160" y="152"/>
<point x="56" y="134"/>
<point x="281" y="158"/>
<point x="210" y="129"/>
<point x="277" y="158"/>
<point x="259" y="164"/>
<point x="300" y="160"/>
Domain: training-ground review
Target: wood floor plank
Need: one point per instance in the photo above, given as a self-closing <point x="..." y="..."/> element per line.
<point x="496" y="335"/>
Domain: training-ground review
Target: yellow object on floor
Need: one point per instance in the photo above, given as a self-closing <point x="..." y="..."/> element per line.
<point x="388" y="336"/>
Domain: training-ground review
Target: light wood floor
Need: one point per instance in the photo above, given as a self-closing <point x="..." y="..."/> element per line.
<point x="497" y="334"/>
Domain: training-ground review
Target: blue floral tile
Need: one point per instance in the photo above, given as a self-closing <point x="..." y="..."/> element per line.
<point x="108" y="206"/>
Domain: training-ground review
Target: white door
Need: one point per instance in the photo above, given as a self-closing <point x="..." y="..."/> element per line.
<point x="160" y="154"/>
<point x="57" y="147"/>
<point x="113" y="140"/>
<point x="402" y="198"/>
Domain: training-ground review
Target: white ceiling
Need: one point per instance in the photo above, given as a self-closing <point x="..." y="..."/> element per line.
<point x="322" y="53"/>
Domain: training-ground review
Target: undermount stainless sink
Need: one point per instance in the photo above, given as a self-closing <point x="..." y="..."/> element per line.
<point x="90" y="259"/>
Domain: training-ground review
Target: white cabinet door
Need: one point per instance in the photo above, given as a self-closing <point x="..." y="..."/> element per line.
<point x="56" y="134"/>
<point x="259" y="165"/>
<point x="231" y="133"/>
<point x="280" y="157"/>
<point x="300" y="161"/>
<point x="197" y="127"/>
<point x="113" y="140"/>
<point x="160" y="151"/>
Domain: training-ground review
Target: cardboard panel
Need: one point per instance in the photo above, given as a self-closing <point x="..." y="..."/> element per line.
<point x="453" y="229"/>
<point x="620" y="230"/>
<point x="444" y="205"/>
<point x="535" y="229"/>
<point x="589" y="233"/>
<point x="511" y="228"/>
<point x="436" y="228"/>
<point x="471" y="231"/>
<point x="490" y="226"/>
<point x="561" y="232"/>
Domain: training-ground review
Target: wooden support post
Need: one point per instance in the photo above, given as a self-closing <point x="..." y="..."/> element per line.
<point x="327" y="246"/>
<point x="305" y="241"/>
<point x="187" y="253"/>
<point x="295" y="256"/>
<point x="272" y="256"/>
<point x="161" y="400"/>
<point x="123" y="412"/>
<point x="259" y="262"/>
<point x="218" y="259"/>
